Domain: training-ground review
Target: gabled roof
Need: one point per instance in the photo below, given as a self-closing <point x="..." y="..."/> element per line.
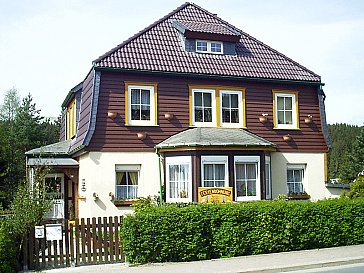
<point x="210" y="137"/>
<point x="158" y="48"/>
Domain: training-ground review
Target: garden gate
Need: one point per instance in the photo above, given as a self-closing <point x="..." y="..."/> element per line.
<point x="84" y="241"/>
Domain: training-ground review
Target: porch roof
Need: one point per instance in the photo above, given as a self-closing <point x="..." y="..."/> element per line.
<point x="51" y="162"/>
<point x="59" y="148"/>
<point x="204" y="137"/>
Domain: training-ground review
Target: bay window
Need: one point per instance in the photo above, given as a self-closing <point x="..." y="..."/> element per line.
<point x="247" y="178"/>
<point x="179" y="179"/>
<point x="214" y="171"/>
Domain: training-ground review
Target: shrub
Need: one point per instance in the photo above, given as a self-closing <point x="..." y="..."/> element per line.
<point x="357" y="188"/>
<point x="8" y="250"/>
<point x="195" y="232"/>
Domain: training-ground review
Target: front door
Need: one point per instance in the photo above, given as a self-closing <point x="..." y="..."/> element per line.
<point x="247" y="178"/>
<point x="55" y="190"/>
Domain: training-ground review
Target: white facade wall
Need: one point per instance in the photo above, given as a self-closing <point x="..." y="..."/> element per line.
<point x="314" y="173"/>
<point x="97" y="172"/>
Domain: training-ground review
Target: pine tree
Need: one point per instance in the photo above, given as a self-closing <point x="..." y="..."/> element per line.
<point x="355" y="160"/>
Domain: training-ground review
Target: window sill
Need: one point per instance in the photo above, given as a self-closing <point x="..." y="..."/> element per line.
<point x="141" y="125"/>
<point x="295" y="129"/>
<point x="299" y="197"/>
<point x="126" y="203"/>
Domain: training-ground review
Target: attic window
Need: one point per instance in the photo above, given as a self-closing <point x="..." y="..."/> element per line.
<point x="209" y="47"/>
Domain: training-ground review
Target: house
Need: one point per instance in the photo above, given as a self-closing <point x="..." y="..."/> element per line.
<point x="190" y="101"/>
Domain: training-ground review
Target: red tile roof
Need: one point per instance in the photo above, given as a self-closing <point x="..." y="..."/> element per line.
<point x="159" y="48"/>
<point x="207" y="27"/>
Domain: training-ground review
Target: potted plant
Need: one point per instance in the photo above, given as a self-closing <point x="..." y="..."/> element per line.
<point x="287" y="137"/>
<point x="308" y="119"/>
<point x="263" y="118"/>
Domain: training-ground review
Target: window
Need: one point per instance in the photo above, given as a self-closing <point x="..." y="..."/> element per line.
<point x="214" y="171"/>
<point x="231" y="108"/>
<point x="179" y="181"/>
<point x="295" y="175"/>
<point x="285" y="110"/>
<point x="268" y="179"/>
<point x="141" y="104"/>
<point x="71" y="120"/>
<point x="201" y="46"/>
<point x="247" y="178"/>
<point x="217" y="106"/>
<point x="204" y="107"/>
<point x="209" y="47"/>
<point x="127" y="178"/>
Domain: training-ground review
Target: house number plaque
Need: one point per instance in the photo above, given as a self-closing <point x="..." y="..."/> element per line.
<point x="83" y="185"/>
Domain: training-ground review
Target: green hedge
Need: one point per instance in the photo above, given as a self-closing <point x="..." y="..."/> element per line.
<point x="170" y="233"/>
<point x="8" y="250"/>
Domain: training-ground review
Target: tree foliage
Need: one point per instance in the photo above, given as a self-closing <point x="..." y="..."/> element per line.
<point x="342" y="137"/>
<point x="22" y="128"/>
<point x="355" y="159"/>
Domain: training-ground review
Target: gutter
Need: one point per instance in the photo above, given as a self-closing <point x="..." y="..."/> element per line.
<point x="325" y="131"/>
<point x="208" y="76"/>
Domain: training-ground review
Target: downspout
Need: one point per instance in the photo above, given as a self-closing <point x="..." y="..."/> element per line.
<point x="322" y="97"/>
<point x="160" y="179"/>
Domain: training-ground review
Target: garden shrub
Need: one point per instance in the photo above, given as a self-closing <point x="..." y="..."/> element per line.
<point x="195" y="232"/>
<point x="8" y="250"/>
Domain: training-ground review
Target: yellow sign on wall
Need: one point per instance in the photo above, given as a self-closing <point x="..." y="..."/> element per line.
<point x="215" y="195"/>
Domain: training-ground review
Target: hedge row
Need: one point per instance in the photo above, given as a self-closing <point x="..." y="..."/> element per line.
<point x="169" y="233"/>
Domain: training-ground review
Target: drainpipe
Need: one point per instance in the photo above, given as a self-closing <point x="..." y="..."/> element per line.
<point x="160" y="179"/>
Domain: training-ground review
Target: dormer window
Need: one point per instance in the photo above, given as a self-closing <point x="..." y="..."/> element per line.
<point x="209" y="47"/>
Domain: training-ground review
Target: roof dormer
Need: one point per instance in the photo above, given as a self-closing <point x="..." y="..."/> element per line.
<point x="212" y="38"/>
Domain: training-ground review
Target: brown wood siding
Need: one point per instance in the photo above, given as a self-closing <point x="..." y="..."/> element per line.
<point x="85" y="110"/>
<point x="173" y="96"/>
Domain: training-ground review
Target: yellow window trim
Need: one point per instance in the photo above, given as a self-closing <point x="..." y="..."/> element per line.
<point x="325" y="167"/>
<point x="218" y="89"/>
<point x="289" y="92"/>
<point x="71" y="119"/>
<point x="150" y="84"/>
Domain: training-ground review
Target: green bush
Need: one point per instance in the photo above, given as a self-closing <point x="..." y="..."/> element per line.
<point x="357" y="188"/>
<point x="171" y="233"/>
<point x="8" y="250"/>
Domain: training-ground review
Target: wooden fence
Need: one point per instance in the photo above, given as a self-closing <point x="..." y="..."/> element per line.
<point x="84" y="241"/>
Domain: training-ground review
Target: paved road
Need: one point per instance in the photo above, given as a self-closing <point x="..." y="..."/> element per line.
<point x="351" y="268"/>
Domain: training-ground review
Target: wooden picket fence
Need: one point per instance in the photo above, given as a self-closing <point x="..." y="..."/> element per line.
<point x="85" y="241"/>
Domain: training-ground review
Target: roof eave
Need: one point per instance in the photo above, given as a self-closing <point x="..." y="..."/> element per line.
<point x="196" y="75"/>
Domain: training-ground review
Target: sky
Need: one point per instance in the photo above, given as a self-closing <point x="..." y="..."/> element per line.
<point x="47" y="46"/>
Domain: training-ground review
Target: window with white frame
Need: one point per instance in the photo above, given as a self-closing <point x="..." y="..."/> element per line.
<point x="213" y="47"/>
<point x="286" y="110"/>
<point x="268" y="179"/>
<point x="127" y="180"/>
<point x="231" y="108"/>
<point x="203" y="107"/>
<point x="214" y="171"/>
<point x="141" y="105"/>
<point x="179" y="179"/>
<point x="247" y="178"/>
<point x="295" y="176"/>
